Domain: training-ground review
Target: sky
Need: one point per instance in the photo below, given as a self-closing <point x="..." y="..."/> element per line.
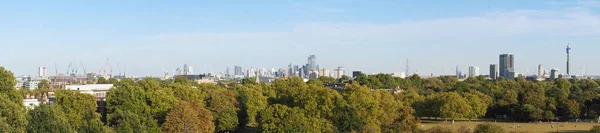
<point x="145" y="37"/>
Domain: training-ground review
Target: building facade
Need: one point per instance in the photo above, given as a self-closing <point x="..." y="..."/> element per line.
<point x="473" y="71"/>
<point x="507" y="63"/>
<point x="493" y="71"/>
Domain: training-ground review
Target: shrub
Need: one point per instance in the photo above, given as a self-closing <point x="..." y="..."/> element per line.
<point x="465" y="129"/>
<point x="439" y="129"/>
<point x="488" y="128"/>
<point x="595" y="129"/>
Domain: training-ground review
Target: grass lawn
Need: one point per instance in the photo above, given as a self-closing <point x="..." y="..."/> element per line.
<point x="508" y="126"/>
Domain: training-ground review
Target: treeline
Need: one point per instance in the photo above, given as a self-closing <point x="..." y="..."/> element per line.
<point x="291" y="105"/>
<point x="286" y="105"/>
<point x="518" y="100"/>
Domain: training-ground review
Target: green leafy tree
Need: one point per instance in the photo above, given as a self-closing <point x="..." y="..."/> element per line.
<point x="189" y="118"/>
<point x="12" y="111"/>
<point x="327" y="79"/>
<point x="127" y="110"/>
<point x="252" y="101"/>
<point x="91" y="124"/>
<point x="75" y="105"/>
<point x="159" y="99"/>
<point x="222" y="104"/>
<point x="283" y="119"/>
<point x="102" y="80"/>
<point x="453" y="106"/>
<point x="368" y="107"/>
<point x="343" y="79"/>
<point x="479" y="103"/>
<point x="47" y="119"/>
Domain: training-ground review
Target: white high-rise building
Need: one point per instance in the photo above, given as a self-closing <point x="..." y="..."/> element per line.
<point x="473" y="71"/>
<point x="339" y="72"/>
<point x="42" y="72"/>
<point x="540" y="71"/>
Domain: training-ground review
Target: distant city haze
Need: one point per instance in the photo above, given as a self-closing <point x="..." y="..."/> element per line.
<point x="145" y="37"/>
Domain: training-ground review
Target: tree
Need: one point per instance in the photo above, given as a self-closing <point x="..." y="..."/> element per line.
<point x="91" y="124"/>
<point x="595" y="129"/>
<point x="479" y="104"/>
<point x="187" y="93"/>
<point x="75" y="105"/>
<point x="222" y="104"/>
<point x="453" y="106"/>
<point x="326" y="79"/>
<point x="252" y="101"/>
<point x="102" y="80"/>
<point x="189" y="118"/>
<point x="127" y="109"/>
<point x="12" y="111"/>
<point x="574" y="109"/>
<point x="347" y="119"/>
<point x="159" y="99"/>
<point x="368" y="107"/>
<point x="283" y="119"/>
<point x="47" y="119"/>
<point x="343" y="79"/>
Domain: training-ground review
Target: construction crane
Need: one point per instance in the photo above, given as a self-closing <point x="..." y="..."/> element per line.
<point x="83" y="67"/>
<point x="119" y="68"/>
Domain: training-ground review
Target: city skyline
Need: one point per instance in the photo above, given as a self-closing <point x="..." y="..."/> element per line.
<point x="151" y="35"/>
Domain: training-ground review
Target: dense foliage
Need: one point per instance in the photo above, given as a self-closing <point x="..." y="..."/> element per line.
<point x="368" y="103"/>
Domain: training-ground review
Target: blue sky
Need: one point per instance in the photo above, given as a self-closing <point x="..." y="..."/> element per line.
<point x="371" y="36"/>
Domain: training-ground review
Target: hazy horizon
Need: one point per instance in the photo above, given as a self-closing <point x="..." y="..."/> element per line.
<point x="370" y="36"/>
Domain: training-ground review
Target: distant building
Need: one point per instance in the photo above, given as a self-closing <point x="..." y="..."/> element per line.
<point x="540" y="71"/>
<point x="237" y="71"/>
<point x="312" y="63"/>
<point x="494" y="71"/>
<point x="553" y="74"/>
<point x="507" y="63"/>
<point x="96" y="90"/>
<point x="42" y="72"/>
<point x="31" y="83"/>
<point x="323" y="72"/>
<point x="356" y="74"/>
<point x="339" y="72"/>
<point x="473" y="71"/>
<point x="313" y="74"/>
<point x="187" y="70"/>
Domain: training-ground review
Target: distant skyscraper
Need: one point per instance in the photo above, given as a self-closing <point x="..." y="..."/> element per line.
<point x="312" y="62"/>
<point x="473" y="71"/>
<point x="568" y="60"/>
<point x="339" y="72"/>
<point x="493" y="71"/>
<point x="227" y="72"/>
<point x="42" y="72"/>
<point x="187" y="70"/>
<point x="323" y="72"/>
<point x="553" y="74"/>
<point x="237" y="70"/>
<point x="295" y="70"/>
<point x="540" y="70"/>
<point x="507" y="63"/>
<point x="458" y="72"/>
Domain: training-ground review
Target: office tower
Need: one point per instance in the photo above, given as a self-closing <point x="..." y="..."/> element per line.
<point x="356" y="74"/>
<point x="507" y="63"/>
<point x="186" y="69"/>
<point x="42" y="72"/>
<point x="473" y="71"/>
<point x="302" y="73"/>
<point x="493" y="71"/>
<point x="290" y="71"/>
<point x="323" y="72"/>
<point x="237" y="70"/>
<point x="227" y="74"/>
<point x="306" y="70"/>
<point x="339" y="72"/>
<point x="568" y="60"/>
<point x="540" y="71"/>
<point x="295" y="71"/>
<point x="553" y="74"/>
<point x="312" y="63"/>
<point x="458" y="72"/>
